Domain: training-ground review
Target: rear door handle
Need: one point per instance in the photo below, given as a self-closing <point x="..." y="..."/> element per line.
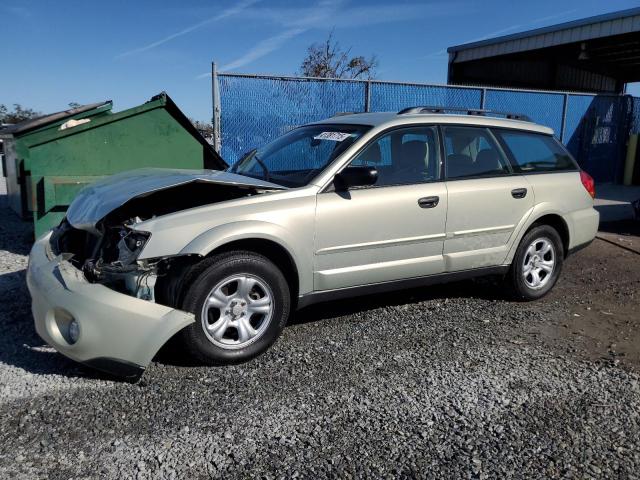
<point x="428" y="202"/>
<point x="519" y="192"/>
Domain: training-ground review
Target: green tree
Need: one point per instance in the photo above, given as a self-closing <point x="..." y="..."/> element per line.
<point x="17" y="115"/>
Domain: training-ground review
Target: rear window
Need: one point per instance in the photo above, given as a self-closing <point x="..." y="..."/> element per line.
<point x="534" y="152"/>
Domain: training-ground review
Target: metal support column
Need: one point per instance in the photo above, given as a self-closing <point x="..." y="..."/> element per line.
<point x="367" y="96"/>
<point x="483" y="98"/>
<point x="215" y="119"/>
<point x="563" y="125"/>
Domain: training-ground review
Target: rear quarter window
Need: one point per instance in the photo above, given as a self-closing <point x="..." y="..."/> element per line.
<point x="534" y="152"/>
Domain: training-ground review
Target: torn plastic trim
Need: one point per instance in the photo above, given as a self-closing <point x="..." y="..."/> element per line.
<point x="97" y="200"/>
<point x="157" y="280"/>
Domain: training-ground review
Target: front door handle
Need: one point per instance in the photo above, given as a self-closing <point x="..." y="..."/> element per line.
<point x="428" y="202"/>
<point x="519" y="192"/>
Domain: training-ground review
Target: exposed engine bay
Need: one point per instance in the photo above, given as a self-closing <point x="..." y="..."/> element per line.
<point x="108" y="252"/>
<point x="110" y="258"/>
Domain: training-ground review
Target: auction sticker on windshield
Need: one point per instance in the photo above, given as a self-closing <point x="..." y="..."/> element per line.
<point x="332" y="136"/>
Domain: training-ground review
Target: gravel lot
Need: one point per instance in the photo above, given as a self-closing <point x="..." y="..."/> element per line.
<point x="449" y="381"/>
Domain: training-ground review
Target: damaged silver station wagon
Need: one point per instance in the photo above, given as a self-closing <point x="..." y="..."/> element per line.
<point x="354" y="204"/>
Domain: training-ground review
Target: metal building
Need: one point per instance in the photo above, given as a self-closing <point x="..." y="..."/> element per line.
<point x="597" y="54"/>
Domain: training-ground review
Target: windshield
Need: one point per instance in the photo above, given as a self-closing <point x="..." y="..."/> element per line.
<point x="296" y="157"/>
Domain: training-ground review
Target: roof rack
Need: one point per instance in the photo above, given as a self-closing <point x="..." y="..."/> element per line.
<point x="468" y="111"/>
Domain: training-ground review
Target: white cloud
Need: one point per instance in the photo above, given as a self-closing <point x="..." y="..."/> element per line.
<point x="313" y="17"/>
<point x="379" y="14"/>
<point x="263" y="48"/>
<point x="330" y="14"/>
<point x="341" y="15"/>
<point x="236" y="9"/>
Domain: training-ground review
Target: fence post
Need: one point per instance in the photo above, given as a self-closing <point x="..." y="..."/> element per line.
<point x="483" y="98"/>
<point x="367" y="96"/>
<point x="215" y="97"/>
<point x="563" y="125"/>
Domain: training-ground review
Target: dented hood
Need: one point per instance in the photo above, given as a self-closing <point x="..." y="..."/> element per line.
<point x="99" y="199"/>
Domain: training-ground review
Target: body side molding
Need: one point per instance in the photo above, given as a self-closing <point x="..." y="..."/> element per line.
<point x="373" y="288"/>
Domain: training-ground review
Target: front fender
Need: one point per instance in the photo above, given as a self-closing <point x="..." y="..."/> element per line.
<point x="222" y="235"/>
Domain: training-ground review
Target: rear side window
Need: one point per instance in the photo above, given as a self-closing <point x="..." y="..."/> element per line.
<point x="534" y="152"/>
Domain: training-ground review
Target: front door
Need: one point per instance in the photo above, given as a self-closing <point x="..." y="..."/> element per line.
<point x="392" y="230"/>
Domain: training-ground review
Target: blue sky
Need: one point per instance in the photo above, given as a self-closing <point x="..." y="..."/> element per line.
<point x="53" y="53"/>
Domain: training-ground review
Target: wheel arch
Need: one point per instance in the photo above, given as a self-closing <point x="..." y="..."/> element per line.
<point x="558" y="223"/>
<point x="270" y="249"/>
<point x="268" y="239"/>
<point x="542" y="215"/>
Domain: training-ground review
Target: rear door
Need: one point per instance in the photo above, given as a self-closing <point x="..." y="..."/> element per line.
<point x="487" y="200"/>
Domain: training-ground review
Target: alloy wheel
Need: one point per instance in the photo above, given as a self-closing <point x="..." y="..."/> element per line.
<point x="539" y="263"/>
<point x="237" y="311"/>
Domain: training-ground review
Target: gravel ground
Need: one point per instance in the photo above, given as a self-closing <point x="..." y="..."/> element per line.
<point x="451" y="381"/>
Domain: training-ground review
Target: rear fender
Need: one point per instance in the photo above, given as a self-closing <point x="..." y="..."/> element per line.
<point x="538" y="211"/>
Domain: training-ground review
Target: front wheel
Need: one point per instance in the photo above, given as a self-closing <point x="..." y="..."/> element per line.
<point x="241" y="302"/>
<point x="537" y="263"/>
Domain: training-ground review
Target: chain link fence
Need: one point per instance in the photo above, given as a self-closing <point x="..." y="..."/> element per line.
<point x="635" y="124"/>
<point x="385" y="97"/>
<point x="254" y="109"/>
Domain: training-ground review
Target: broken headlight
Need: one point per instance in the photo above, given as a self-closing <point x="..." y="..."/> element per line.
<point x="117" y="254"/>
<point x="130" y="245"/>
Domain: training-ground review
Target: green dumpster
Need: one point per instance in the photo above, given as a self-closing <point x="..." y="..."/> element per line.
<point x="17" y="140"/>
<point x="64" y="159"/>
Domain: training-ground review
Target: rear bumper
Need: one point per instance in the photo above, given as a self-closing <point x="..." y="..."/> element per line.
<point x="118" y="334"/>
<point x="583" y="226"/>
<point x="577" y="248"/>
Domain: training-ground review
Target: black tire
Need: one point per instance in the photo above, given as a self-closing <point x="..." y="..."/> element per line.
<point x="520" y="288"/>
<point x="199" y="284"/>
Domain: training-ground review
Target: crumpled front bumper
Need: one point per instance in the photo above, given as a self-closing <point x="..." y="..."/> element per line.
<point x="118" y="333"/>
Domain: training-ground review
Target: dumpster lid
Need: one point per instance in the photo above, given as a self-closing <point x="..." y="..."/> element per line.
<point x="216" y="161"/>
<point x="34" y="123"/>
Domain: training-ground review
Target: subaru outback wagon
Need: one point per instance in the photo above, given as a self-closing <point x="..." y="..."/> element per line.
<point x="355" y="204"/>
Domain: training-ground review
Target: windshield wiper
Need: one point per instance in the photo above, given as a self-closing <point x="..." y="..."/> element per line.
<point x="264" y="167"/>
<point x="248" y="156"/>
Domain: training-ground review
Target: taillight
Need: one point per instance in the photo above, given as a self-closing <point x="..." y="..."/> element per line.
<point x="588" y="183"/>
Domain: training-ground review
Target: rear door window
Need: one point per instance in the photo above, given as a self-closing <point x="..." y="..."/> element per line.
<point x="472" y="152"/>
<point x="535" y="152"/>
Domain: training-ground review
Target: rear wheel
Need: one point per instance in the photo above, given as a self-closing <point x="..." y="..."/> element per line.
<point x="537" y="263"/>
<point x="241" y="303"/>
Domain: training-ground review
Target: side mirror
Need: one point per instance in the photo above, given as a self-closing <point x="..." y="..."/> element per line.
<point x="355" y="177"/>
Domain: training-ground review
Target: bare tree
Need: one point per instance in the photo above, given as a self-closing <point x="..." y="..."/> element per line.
<point x="205" y="128"/>
<point x="329" y="60"/>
